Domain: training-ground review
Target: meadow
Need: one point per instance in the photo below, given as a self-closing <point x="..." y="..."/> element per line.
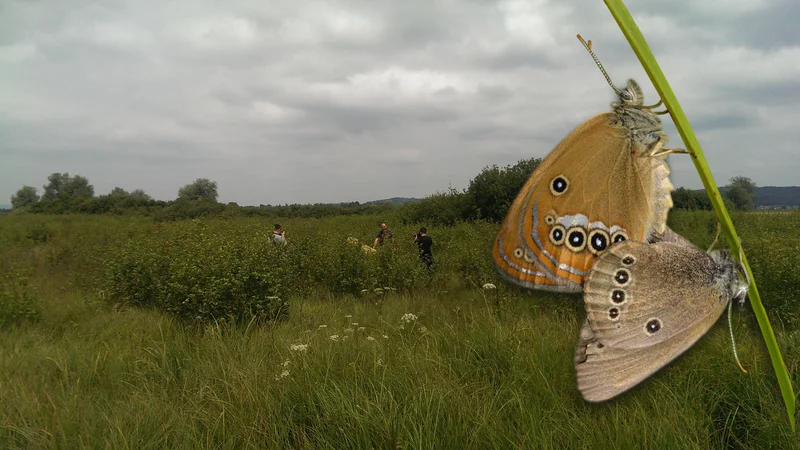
<point x="124" y="332"/>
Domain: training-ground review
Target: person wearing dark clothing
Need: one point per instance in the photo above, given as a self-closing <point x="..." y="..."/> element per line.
<point x="424" y="242"/>
<point x="384" y="233"/>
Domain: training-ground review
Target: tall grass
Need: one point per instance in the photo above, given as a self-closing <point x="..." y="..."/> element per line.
<point x="469" y="368"/>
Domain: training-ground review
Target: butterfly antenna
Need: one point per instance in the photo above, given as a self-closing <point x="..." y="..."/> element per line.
<point x="733" y="341"/>
<point x="597" y="61"/>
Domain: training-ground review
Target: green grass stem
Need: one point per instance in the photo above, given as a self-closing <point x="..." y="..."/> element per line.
<point x="642" y="50"/>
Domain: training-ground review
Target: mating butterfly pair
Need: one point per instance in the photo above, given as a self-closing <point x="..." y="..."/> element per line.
<point x="592" y="218"/>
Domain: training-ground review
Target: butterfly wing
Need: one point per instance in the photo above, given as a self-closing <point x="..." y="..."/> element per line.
<point x="604" y="371"/>
<point x="598" y="186"/>
<point x="639" y="294"/>
<point x="646" y="304"/>
<point x="670" y="236"/>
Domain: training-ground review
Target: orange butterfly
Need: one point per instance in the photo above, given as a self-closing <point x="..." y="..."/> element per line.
<point x="606" y="182"/>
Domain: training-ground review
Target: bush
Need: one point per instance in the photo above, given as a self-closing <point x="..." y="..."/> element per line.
<point x="201" y="274"/>
<point x="18" y="301"/>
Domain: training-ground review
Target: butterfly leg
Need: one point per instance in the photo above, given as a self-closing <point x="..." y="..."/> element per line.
<point x="660" y="102"/>
<point x="659" y="150"/>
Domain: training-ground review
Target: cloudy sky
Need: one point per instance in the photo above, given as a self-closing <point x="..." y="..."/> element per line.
<point x="327" y="101"/>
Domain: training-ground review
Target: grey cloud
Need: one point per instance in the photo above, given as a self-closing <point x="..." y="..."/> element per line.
<point x="332" y="101"/>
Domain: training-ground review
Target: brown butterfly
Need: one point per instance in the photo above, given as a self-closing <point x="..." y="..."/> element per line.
<point x="646" y="304"/>
<point x="606" y="182"/>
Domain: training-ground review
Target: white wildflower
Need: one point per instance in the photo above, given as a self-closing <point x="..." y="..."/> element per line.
<point x="385" y="336"/>
<point x="378" y="291"/>
<point x="348" y="330"/>
<point x="298" y="347"/>
<point x="489" y="286"/>
<point x="370" y="338"/>
<point x="347" y="316"/>
<point x="364" y="291"/>
<point x="345" y="337"/>
<point x="361" y="328"/>
<point x="408" y="318"/>
<point x="355" y="324"/>
<point x="283" y="374"/>
<point x="423" y="329"/>
<point x="323" y="326"/>
<point x="286" y="363"/>
<point x="334" y="337"/>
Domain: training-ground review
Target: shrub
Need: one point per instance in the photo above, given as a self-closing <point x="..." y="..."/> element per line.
<point x="201" y="274"/>
<point x="18" y="300"/>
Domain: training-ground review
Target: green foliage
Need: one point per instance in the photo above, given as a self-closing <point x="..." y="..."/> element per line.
<point x="741" y="193"/>
<point x="189" y="209"/>
<point x="201" y="274"/>
<point x="25" y="196"/>
<point x="19" y="301"/>
<point x="200" y="189"/>
<point x="441" y="208"/>
<point x="62" y="186"/>
<point x="472" y="365"/>
<point x="493" y="190"/>
<point x="488" y="197"/>
<point x="692" y="199"/>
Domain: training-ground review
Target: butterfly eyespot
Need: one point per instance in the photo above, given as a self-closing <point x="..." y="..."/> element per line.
<point x="622" y="277"/>
<point x="550" y="220"/>
<point x="619" y="236"/>
<point x="618" y="296"/>
<point x="576" y="239"/>
<point x="613" y="313"/>
<point x="600" y="345"/>
<point x="528" y="257"/>
<point x="518" y="253"/>
<point x="628" y="260"/>
<point x="557" y="235"/>
<point x="598" y="241"/>
<point x="652" y="326"/>
<point x="559" y="185"/>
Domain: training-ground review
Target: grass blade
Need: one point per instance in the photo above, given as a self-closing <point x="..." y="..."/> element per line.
<point x="650" y="65"/>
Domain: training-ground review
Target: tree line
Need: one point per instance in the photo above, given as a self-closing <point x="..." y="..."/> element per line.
<point x="65" y="193"/>
<point x="490" y="194"/>
<point x="488" y="197"/>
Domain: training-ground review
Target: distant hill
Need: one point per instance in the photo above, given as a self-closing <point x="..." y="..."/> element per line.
<point x="395" y="200"/>
<point x="777" y="196"/>
<point x="769" y="197"/>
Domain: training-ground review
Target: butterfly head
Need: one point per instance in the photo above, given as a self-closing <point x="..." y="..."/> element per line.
<point x="630" y="96"/>
<point x="730" y="275"/>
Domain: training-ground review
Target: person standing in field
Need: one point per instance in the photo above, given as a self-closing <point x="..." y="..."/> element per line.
<point x="384" y="233"/>
<point x="424" y="242"/>
<point x="278" y="235"/>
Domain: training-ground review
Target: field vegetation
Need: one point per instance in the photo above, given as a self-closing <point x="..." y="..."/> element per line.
<point x="131" y="332"/>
